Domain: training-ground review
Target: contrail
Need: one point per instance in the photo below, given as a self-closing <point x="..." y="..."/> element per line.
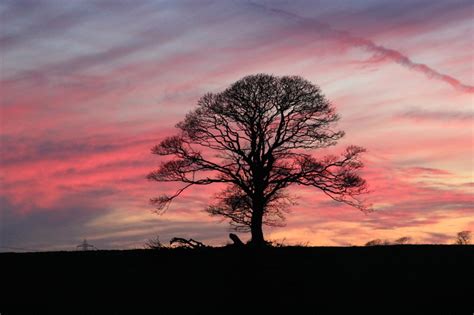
<point x="385" y="53"/>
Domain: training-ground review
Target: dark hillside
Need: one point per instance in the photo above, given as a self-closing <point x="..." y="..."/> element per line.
<point x="224" y="280"/>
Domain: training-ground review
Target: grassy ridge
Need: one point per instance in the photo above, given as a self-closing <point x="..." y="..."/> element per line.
<point x="216" y="279"/>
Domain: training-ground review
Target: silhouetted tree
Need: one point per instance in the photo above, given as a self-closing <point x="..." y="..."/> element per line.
<point x="403" y="240"/>
<point x="463" y="238"/>
<point x="257" y="137"/>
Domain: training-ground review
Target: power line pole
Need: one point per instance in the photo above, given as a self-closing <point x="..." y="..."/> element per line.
<point x="84" y="246"/>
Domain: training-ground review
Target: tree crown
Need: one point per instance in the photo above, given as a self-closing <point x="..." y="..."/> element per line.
<point x="257" y="137"/>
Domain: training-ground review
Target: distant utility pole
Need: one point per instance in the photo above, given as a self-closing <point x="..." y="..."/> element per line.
<point x="85" y="246"/>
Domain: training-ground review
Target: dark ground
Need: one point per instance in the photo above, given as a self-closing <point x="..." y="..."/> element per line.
<point x="431" y="279"/>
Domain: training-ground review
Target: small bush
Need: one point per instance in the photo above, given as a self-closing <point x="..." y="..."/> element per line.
<point x="154" y="243"/>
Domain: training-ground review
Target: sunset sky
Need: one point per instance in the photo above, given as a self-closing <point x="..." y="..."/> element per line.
<point x="88" y="87"/>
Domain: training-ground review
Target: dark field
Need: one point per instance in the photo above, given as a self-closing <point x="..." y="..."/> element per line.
<point x="293" y="280"/>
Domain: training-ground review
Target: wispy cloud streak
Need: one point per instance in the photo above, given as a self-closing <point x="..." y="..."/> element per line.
<point x="380" y="51"/>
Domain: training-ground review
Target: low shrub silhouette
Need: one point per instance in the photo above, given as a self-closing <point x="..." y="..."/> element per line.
<point x="154" y="243"/>
<point x="463" y="238"/>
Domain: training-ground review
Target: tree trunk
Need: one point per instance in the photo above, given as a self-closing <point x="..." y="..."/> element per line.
<point x="256" y="227"/>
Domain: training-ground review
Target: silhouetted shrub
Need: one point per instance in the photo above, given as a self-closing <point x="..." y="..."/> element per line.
<point x="377" y="242"/>
<point x="403" y="240"/>
<point x="154" y="243"/>
<point x="463" y="238"/>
